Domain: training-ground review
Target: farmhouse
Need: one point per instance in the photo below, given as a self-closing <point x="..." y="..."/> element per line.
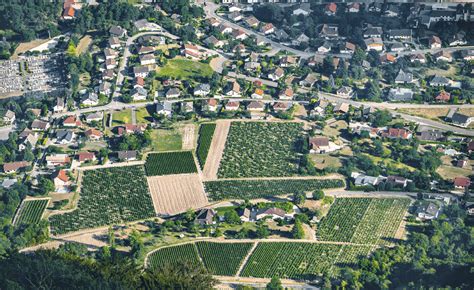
<point x="272" y="213"/>
<point x="205" y="217"/>
<point x="319" y="144"/>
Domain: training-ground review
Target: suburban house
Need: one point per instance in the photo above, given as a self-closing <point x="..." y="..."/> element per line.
<point x="374" y="43"/>
<point x="64" y="137"/>
<point x="325" y="47"/>
<point x="419" y="57"/>
<point x="114" y="42"/>
<point x="90" y="99"/>
<point x="404" y="77"/>
<point x="105" y="88"/>
<point x="138" y="94"/>
<point x="94" y="117"/>
<point x="373" y="32"/>
<point x="256" y="106"/>
<point x="431" y="135"/>
<point x="319" y="144"/>
<point x="172" y="93"/>
<point x="205" y="217"/>
<point x="257" y="94"/>
<point x="202" y="90"/>
<point x="71" y="122"/>
<point x="365" y="180"/>
<point x="233" y="89"/>
<point x="345" y="92"/>
<point x="398" y="181"/>
<point x="57" y="160"/>
<point x="286" y="94"/>
<point x="400" y="34"/>
<point x="267" y="29"/>
<point x="309" y="80"/>
<point x="440" y="81"/>
<point x="288" y="61"/>
<point x="396" y="133"/>
<point x="165" y="108"/>
<point x="141" y="71"/>
<point x="341" y="108"/>
<point x="427" y="211"/>
<point x="117" y="31"/>
<point x="30" y="140"/>
<point x="128" y="155"/>
<point x="252" y="21"/>
<point x="443" y="96"/>
<point x="59" y="107"/>
<point x="13" y="167"/>
<point x="93" y="134"/>
<point x="329" y="31"/>
<point x="443" y="55"/>
<point x="110" y="64"/>
<point x="461" y="183"/>
<point x="212" y="40"/>
<point x="61" y="181"/>
<point x="147" y="59"/>
<point x="400" y="95"/>
<point x="39" y="125"/>
<point x="85" y="156"/>
<point x="280" y="106"/>
<point x="9" y="117"/>
<point x="247" y="215"/>
<point x="272" y="213"/>
<point x="330" y="9"/>
<point x="347" y="48"/>
<point x="276" y="74"/>
<point x="435" y="42"/>
<point x="461" y="120"/>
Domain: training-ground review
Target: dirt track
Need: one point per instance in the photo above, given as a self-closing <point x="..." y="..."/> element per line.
<point x="188" y="136"/>
<point x="174" y="194"/>
<point x="216" y="150"/>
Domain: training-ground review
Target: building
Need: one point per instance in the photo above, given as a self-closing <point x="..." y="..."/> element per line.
<point x="272" y="213"/>
<point x="344" y="92"/>
<point x="427" y="211"/>
<point x="202" y="90"/>
<point x="398" y="181"/>
<point x="400" y="95"/>
<point x="13" y="167"/>
<point x="461" y="120"/>
<point x="64" y="137"/>
<point x="94" y="117"/>
<point x="397" y="133"/>
<point x="117" y="31"/>
<point x="233" y="89"/>
<point x="61" y="181"/>
<point x="404" y="77"/>
<point x="232" y="106"/>
<point x="255" y="106"/>
<point x="205" y="217"/>
<point x="128" y="155"/>
<point x="93" y="134"/>
<point x="462" y="183"/>
<point x="9" y="117"/>
<point x="59" y="107"/>
<point x="319" y="144"/>
<point x="267" y="29"/>
<point x="39" y="125"/>
<point x="435" y="42"/>
<point x="57" y="160"/>
<point x="400" y="34"/>
<point x="329" y="31"/>
<point x="374" y="44"/>
<point x="309" y="80"/>
<point x="138" y="94"/>
<point x="165" y="108"/>
<point x="172" y="93"/>
<point x="90" y="99"/>
<point x="431" y="135"/>
<point x="211" y="105"/>
<point x="440" y="81"/>
<point x="443" y="96"/>
<point x="373" y="32"/>
<point x="85" y="156"/>
<point x="71" y="122"/>
<point x="276" y="74"/>
<point x="141" y="71"/>
<point x="147" y="59"/>
<point x="443" y="55"/>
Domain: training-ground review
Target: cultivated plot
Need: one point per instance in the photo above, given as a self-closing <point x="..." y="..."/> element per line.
<point x="223" y="258"/>
<point x="206" y="131"/>
<point x="30" y="211"/>
<point x="174" y="194"/>
<point x="174" y="255"/>
<point x="170" y="163"/>
<point x="216" y="150"/>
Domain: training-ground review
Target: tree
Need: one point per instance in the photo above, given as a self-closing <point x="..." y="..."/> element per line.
<point x="318" y="194"/>
<point x="262" y="232"/>
<point x="382" y="118"/>
<point x="274" y="284"/>
<point x="373" y="91"/>
<point x="299" y="198"/>
<point x="45" y="185"/>
<point x="297" y="232"/>
<point x="231" y="217"/>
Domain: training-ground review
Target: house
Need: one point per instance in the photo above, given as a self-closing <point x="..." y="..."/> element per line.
<point x="309" y="80"/>
<point x="205" y="217"/>
<point x="268" y="28"/>
<point x="344" y="92"/>
<point x="420" y="58"/>
<point x="387" y="58"/>
<point x="214" y="22"/>
<point x="128" y="155"/>
<point x="373" y="32"/>
<point x="69" y="13"/>
<point x="276" y="74"/>
<point x="330" y="9"/>
<point x="165" y="108"/>
<point x="252" y="21"/>
<point x="30" y="140"/>
<point x="202" y="90"/>
<point x="110" y="63"/>
<point x="139" y="82"/>
<point x="233" y="89"/>
<point x="255" y="106"/>
<point x="59" y="107"/>
<point x="329" y="31"/>
<point x="211" y="105"/>
<point x="39" y="125"/>
<point x="347" y="48"/>
<point x="146" y="50"/>
<point x="187" y="107"/>
<point x="427" y="211"/>
<point x="470" y="147"/>
<point x="114" y="42"/>
<point x="257" y="94"/>
<point x="239" y="48"/>
<point x="57" y="160"/>
<point x="341" y="108"/>
<point x="462" y="183"/>
<point x="272" y="213"/>
<point x="235" y="16"/>
<point x="147" y="59"/>
<point x="131" y="129"/>
<point x="366" y="180"/>
<point x="232" y="106"/>
<point x="462" y="163"/>
<point x="400" y="95"/>
<point x="398" y="181"/>
<point x="138" y="94"/>
<point x="94" y="117"/>
<point x="9" y="117"/>
<point x="301" y="11"/>
<point x="141" y="71"/>
<point x="144" y="25"/>
<point x="374" y="43"/>
<point x="105" y="88"/>
<point x="457" y="39"/>
<point x="397" y="133"/>
<point x="325" y="47"/>
<point x="246" y="215"/>
<point x="173" y="93"/>
<point x="353" y="7"/>
<point x="110" y="53"/>
<point x="192" y="51"/>
<point x="468" y="55"/>
<point x="281" y="35"/>
<point x="85" y="157"/>
<point x="302" y="38"/>
<point x="397" y="47"/>
<point x="64" y="137"/>
<point x="252" y="66"/>
<point x="404" y="77"/>
<point x="13" y="167"/>
<point x="288" y="61"/>
<point x="319" y="144"/>
<point x="400" y="34"/>
<point x="224" y="29"/>
<point x="286" y="94"/>
<point x="435" y="42"/>
<point x="108" y="74"/>
<point x="90" y="99"/>
<point x="431" y="135"/>
<point x="443" y="55"/>
<point x="440" y="81"/>
<point x="443" y="96"/>
<point x="93" y="134"/>
<point x="117" y="31"/>
<point x="61" y="181"/>
<point x="280" y="106"/>
<point x="71" y="121"/>
<point x="461" y="120"/>
<point x="392" y="10"/>
<point x="213" y="41"/>
<point x="9" y="182"/>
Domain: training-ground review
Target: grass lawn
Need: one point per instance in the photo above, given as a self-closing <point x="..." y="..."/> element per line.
<point x="449" y="172"/>
<point x="166" y="140"/>
<point x="334" y="129"/>
<point x="182" y="68"/>
<point x="389" y="162"/>
<point x="122" y="117"/>
<point x="322" y="161"/>
<point x="84" y="80"/>
<point x="143" y="115"/>
<point x="84" y="44"/>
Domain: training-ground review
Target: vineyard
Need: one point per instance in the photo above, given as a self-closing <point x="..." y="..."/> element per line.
<point x="206" y="131"/>
<point x="261" y="149"/>
<point x="363" y="220"/>
<point x="170" y="163"/>
<point x="30" y="211"/>
<point x="108" y="196"/>
<point x="223" y="258"/>
<point x="175" y="254"/>
<point x="251" y="189"/>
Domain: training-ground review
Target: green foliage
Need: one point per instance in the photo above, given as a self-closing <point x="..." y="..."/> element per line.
<point x="318" y="194"/>
<point x="297" y="232"/>
<point x="174" y="255"/>
<point x="223" y="258"/>
<point x="31" y="211"/>
<point x="259" y="149"/>
<point x="108" y="196"/>
<point x="251" y="189"/>
<point x="299" y="198"/>
<point x="381" y="118"/>
<point x="170" y="163"/>
<point x="274" y="284"/>
<point x="206" y="131"/>
<point x="232" y="217"/>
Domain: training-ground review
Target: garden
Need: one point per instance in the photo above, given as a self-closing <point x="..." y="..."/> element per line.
<point x="170" y="163"/>
<point x="183" y="69"/>
<point x="108" y="196"/>
<point x="206" y="131"/>
<point x="30" y="211"/>
<point x="262" y="149"/>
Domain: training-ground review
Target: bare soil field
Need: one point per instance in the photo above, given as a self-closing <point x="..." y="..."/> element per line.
<point x="25" y="46"/>
<point x="189" y="136"/>
<point x="83" y="44"/>
<point x="174" y="194"/>
<point x="216" y="150"/>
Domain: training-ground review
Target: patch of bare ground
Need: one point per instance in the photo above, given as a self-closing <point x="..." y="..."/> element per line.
<point x="216" y="150"/>
<point x="188" y="136"/>
<point x="174" y="194"/>
<point x="25" y="46"/>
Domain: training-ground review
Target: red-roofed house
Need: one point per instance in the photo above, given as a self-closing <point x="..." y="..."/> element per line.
<point x="72" y="121"/>
<point x="394" y="133"/>
<point x="443" y="97"/>
<point x="461" y="182"/>
<point x="13" y="167"/>
<point x="69" y="13"/>
<point x="93" y="134"/>
<point x="85" y="156"/>
<point x="61" y="181"/>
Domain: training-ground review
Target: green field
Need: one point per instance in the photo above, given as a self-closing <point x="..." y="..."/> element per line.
<point x="251" y="189"/>
<point x="170" y="163"/>
<point x="144" y="114"/>
<point x="121" y="118"/>
<point x="363" y="220"/>
<point x="176" y="254"/>
<point x="166" y="140"/>
<point x="30" y="211"/>
<point x="223" y="258"/>
<point x="182" y="68"/>
<point x="206" y="131"/>
<point x="107" y="196"/>
<point x="262" y="149"/>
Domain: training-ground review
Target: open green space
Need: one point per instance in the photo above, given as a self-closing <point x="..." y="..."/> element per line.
<point x="31" y="211"/>
<point x="170" y="163"/>
<point x="144" y="114"/>
<point x="182" y="68"/>
<point x="206" y="131"/>
<point x="166" y="140"/>
<point x="262" y="149"/>
<point x="107" y="196"/>
<point x="121" y="117"/>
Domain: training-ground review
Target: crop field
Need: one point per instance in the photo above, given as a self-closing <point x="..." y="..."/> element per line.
<point x="174" y="254"/>
<point x="299" y="260"/>
<point x="206" y="131"/>
<point x="30" y="211"/>
<point x="363" y="220"/>
<point x="251" y="189"/>
<point x="108" y="196"/>
<point x="261" y="149"/>
<point x="170" y="163"/>
<point x="223" y="258"/>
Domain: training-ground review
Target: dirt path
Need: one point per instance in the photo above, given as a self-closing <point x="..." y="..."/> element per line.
<point x="188" y="136"/>
<point x="242" y="265"/>
<point x="134" y="117"/>
<point x="329" y="176"/>
<point x="216" y="150"/>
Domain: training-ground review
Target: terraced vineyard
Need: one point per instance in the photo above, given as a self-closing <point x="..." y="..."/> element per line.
<point x="223" y="258"/>
<point x="363" y="220"/>
<point x="300" y="260"/>
<point x="108" y="196"/>
<point x="174" y="254"/>
<point x="261" y="149"/>
<point x="206" y="131"/>
<point x="170" y="163"/>
<point x="30" y="211"/>
<point x="250" y="189"/>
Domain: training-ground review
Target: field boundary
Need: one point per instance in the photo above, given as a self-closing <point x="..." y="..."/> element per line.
<point x="22" y="204"/>
<point x="245" y="260"/>
<point x="216" y="150"/>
